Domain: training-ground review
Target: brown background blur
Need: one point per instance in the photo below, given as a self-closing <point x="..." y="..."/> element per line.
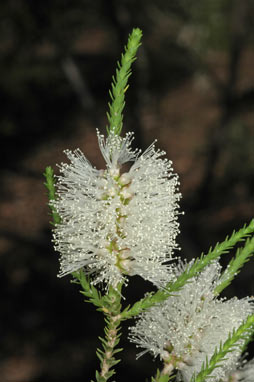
<point x="192" y="89"/>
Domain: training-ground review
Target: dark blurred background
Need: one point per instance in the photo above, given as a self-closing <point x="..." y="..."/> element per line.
<point x="192" y="89"/>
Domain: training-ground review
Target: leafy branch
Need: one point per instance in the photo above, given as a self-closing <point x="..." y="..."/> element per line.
<point x="88" y="290"/>
<point x="199" y="264"/>
<point x="119" y="83"/>
<point x="242" y="256"/>
<point x="232" y="342"/>
<point x="106" y="355"/>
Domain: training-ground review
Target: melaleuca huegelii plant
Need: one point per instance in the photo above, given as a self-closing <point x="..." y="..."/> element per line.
<point x="110" y="224"/>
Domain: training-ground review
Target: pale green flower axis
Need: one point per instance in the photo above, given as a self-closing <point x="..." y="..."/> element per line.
<point x="119" y="84"/>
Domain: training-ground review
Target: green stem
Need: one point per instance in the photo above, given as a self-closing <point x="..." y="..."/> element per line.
<point x="242" y="256"/>
<point x="119" y="84"/>
<point x="106" y="355"/>
<point x="50" y="185"/>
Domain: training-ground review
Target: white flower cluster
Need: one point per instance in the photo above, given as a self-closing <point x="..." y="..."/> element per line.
<point x="244" y="373"/>
<point x="116" y="223"/>
<point x="185" y="329"/>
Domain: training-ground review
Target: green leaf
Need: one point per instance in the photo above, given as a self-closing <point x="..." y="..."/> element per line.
<point x="161" y="377"/>
<point x="88" y="290"/>
<point x="50" y="185"/>
<point x="242" y="256"/>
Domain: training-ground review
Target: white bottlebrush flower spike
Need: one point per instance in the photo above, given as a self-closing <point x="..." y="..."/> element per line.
<point x="186" y="328"/>
<point x="116" y="223"/>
